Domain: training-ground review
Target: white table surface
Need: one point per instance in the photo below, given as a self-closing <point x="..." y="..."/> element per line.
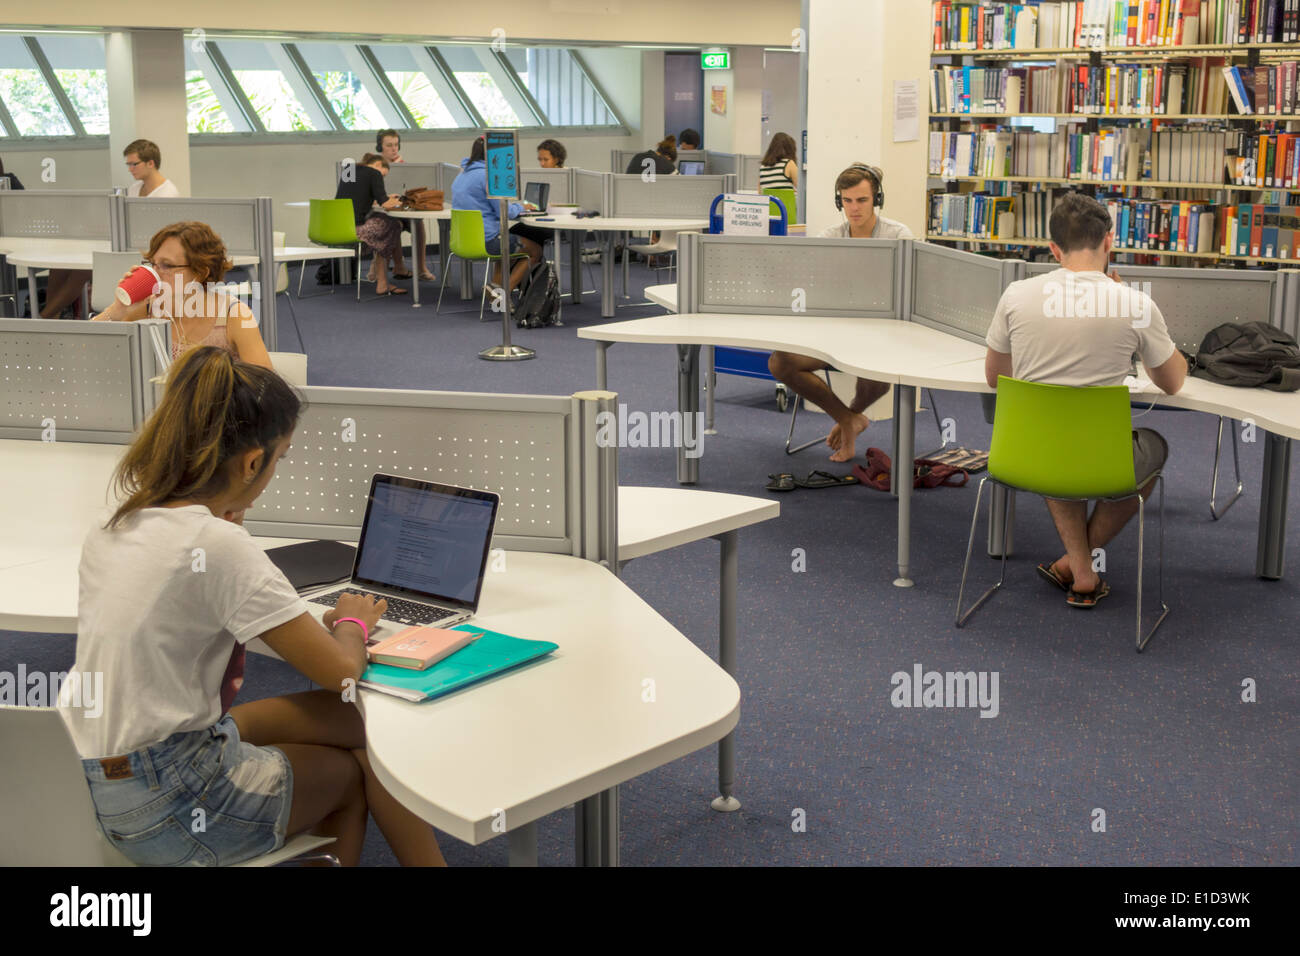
<point x="612" y="224"/>
<point x="296" y="253"/>
<point x="443" y="213"/>
<point x="84" y="259"/>
<point x="663" y="295"/>
<point x="651" y="520"/>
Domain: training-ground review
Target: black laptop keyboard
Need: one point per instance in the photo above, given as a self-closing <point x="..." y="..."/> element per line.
<point x="399" y="611"/>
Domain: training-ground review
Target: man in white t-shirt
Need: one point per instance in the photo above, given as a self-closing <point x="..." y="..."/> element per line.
<point x="859" y="192"/>
<point x="1079" y="326"/>
<point x="143" y="161"/>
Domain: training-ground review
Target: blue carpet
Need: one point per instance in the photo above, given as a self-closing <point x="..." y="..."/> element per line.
<point x="829" y="772"/>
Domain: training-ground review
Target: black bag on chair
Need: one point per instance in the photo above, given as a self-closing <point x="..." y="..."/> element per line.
<point x="539" y="298"/>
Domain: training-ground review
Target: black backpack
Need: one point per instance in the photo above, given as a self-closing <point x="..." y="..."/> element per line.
<point x="1250" y="355"/>
<point x="539" y="298"/>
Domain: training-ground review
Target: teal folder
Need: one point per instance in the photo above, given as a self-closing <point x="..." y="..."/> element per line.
<point x="490" y="655"/>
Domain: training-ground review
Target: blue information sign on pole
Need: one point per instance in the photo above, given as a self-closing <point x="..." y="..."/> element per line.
<point x="501" y="148"/>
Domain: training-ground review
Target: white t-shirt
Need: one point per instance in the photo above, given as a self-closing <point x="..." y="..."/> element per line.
<point x="166" y="190"/>
<point x="883" y="229"/>
<point x="160" y="621"/>
<point x="1077" y="328"/>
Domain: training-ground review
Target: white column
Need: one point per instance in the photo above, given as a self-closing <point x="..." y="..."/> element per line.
<point x="740" y="129"/>
<point x="652" y="101"/>
<point x="146" y="100"/>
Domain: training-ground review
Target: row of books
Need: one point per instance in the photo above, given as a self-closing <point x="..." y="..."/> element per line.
<point x="1112" y="24"/>
<point x="1271" y="89"/>
<point x="1211" y="157"/>
<point x="973" y="215"/>
<point x="973" y="89"/>
<point x="1251" y="230"/>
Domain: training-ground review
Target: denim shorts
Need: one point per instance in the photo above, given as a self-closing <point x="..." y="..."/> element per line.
<point x="198" y="798"/>
<point x="494" y="244"/>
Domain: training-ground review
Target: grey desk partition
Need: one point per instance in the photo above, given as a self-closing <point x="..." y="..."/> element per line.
<point x="721" y="164"/>
<point x="591" y="190"/>
<point x="244" y="225"/>
<point x="560" y="181"/>
<point x="619" y="158"/>
<point x="558" y="488"/>
<point x="775" y="274"/>
<point x="447" y="173"/>
<point x="954" y="291"/>
<point x="666" y="197"/>
<point x="59" y="214"/>
<point x="89" y="380"/>
<point x="749" y="170"/>
<point x="1194" y="301"/>
<point x="404" y="176"/>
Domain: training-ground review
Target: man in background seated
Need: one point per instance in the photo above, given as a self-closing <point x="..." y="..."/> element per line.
<point x="1078" y="326"/>
<point x="388" y="143"/>
<point x="859" y="192"/>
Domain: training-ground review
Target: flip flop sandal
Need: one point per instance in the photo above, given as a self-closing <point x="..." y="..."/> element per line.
<point x="1089" y="600"/>
<point x="401" y="275"/>
<point x="824" y="479"/>
<point x="782" y="482"/>
<point x="393" y="290"/>
<point x="427" y="276"/>
<point x="1048" y="572"/>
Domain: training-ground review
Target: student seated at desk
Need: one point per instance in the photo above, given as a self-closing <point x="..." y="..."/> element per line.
<point x="170" y="644"/>
<point x="779" y="168"/>
<point x="551" y="154"/>
<point x="1080" y="326"/>
<point x="383" y="234"/>
<point x="11" y="178"/>
<point x="661" y="160"/>
<point x="688" y="139"/>
<point x="190" y="259"/>
<point x="143" y="160"/>
<point x="388" y="143"/>
<point x="469" y="191"/>
<point x="859" y="192"/>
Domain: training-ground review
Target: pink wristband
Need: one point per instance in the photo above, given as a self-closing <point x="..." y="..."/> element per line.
<point x="365" y="631"/>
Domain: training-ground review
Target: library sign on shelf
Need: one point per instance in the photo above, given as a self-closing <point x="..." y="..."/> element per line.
<point x="744" y="214"/>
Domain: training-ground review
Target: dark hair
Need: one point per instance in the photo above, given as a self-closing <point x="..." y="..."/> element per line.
<point x="146" y="151"/>
<point x="384" y="134"/>
<point x="215" y="407"/>
<point x="857" y="173"/>
<point x="1078" y="222"/>
<point x="668" y="148"/>
<point x="478" y="151"/>
<point x="555" y="148"/>
<point x="369" y="158"/>
<point x="689" y="139"/>
<point x="782" y="147"/>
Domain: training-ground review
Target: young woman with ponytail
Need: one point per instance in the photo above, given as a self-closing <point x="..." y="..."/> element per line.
<point x="172" y="589"/>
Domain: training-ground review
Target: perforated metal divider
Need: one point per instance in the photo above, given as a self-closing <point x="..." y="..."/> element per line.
<point x="523" y="447"/>
<point x="956" y="292"/>
<point x="85" y="379"/>
<point x="749" y="171"/>
<point x="1194" y="301"/>
<point x="769" y="275"/>
<point x="234" y="220"/>
<point x="667" y="197"/>
<point x="591" y="190"/>
<point x="404" y="176"/>
<point x="57" y="214"/>
<point x="560" y="180"/>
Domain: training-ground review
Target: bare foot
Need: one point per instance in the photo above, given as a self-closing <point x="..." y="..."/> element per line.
<point x="1062" y="568"/>
<point x="847" y="433"/>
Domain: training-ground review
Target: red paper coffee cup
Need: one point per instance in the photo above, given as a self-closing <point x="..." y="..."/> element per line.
<point x="137" y="286"/>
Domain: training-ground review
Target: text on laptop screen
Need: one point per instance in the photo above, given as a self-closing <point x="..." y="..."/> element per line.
<point x="425" y="540"/>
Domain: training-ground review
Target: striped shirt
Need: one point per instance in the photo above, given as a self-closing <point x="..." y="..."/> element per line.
<point x="774" y="177"/>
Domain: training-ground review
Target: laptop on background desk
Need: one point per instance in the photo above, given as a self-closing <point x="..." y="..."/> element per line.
<point x="538" y="194"/>
<point x="424" y="547"/>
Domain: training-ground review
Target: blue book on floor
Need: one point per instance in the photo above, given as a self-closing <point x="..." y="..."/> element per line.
<point x="490" y="655"/>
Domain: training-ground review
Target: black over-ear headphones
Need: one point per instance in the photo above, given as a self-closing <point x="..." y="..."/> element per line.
<point x="874" y="175"/>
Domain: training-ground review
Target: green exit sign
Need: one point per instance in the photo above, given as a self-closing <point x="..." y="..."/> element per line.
<point x="717" y="60"/>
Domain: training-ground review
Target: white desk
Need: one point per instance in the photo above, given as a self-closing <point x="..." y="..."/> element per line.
<point x="664" y="296"/>
<point x="443" y="218"/>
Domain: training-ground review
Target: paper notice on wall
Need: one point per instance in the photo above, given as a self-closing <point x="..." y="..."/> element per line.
<point x="718" y="101"/>
<point x="907" y="110"/>
<point x="744" y="214"/>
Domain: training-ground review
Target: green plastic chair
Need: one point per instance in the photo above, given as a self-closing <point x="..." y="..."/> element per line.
<point x="468" y="243"/>
<point x="1034" y="449"/>
<point x="786" y="196"/>
<point x="330" y="223"/>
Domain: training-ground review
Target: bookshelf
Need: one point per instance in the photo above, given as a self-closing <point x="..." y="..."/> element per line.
<point x="1176" y="113"/>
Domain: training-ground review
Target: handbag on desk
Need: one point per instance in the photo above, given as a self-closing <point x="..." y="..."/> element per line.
<point x="422" y="199"/>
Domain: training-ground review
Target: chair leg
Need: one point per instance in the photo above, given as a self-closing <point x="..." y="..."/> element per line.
<point x="1143" y="640"/>
<point x="1215" y="512"/>
<point x="443" y="285"/>
<point x="794" y="414"/>
<point x="358" y="272"/>
<point x="288" y="299"/>
<point x="970" y="545"/>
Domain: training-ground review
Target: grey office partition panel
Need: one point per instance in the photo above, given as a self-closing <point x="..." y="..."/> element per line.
<point x="404" y="176"/>
<point x="619" y="158"/>
<point x="667" y="197"/>
<point x="954" y="291"/>
<point x="791" y="275"/>
<point x="560" y="181"/>
<point x="85" y="379"/>
<point x="234" y="220"/>
<point x="1289" y="287"/>
<point x="591" y="190"/>
<point x="523" y="447"/>
<point x="447" y="173"/>
<point x="58" y="213"/>
<point x="721" y="164"/>
<point x="1194" y="301"/>
<point x="749" y="171"/>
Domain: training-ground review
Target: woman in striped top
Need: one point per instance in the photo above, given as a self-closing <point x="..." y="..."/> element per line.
<point x="779" y="169"/>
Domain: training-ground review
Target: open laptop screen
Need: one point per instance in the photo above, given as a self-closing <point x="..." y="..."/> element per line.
<point x="426" y="540"/>
<point x="537" y="194"/>
<point x="691" y="167"/>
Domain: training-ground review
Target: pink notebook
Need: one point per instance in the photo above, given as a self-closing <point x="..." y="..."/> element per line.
<point x="419" y="648"/>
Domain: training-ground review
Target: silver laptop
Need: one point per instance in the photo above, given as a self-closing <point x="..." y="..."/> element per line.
<point x="424" y="547"/>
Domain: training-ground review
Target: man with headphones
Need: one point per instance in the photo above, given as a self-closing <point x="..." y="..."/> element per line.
<point x="859" y="192"/>
<point x="388" y="143"/>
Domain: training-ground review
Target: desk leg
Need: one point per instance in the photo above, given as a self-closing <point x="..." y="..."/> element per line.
<point x="627" y="237"/>
<point x="575" y="264"/>
<point x="596" y="829"/>
<point x="688" y="403"/>
<point x="607" y="276"/>
<point x="417" y="255"/>
<point x="905" y="429"/>
<point x="896" y="456"/>
<point x="710" y="387"/>
<point x="1272" y="507"/>
<point x="32" y="301"/>
<point x="602" y="364"/>
<point x="523" y="845"/>
<point x="1002" y="513"/>
<point x="444" y="246"/>
<point x="728" y="575"/>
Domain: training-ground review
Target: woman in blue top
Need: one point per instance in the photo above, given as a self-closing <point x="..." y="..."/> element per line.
<point x="469" y="191"/>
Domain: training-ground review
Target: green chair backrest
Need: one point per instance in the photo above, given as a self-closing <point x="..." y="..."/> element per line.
<point x="1063" y="442"/>
<point x="467" y="240"/>
<point x="330" y="222"/>
<point x="786" y="196"/>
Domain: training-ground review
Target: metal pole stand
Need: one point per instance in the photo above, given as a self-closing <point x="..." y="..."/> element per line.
<point x="505" y="352"/>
